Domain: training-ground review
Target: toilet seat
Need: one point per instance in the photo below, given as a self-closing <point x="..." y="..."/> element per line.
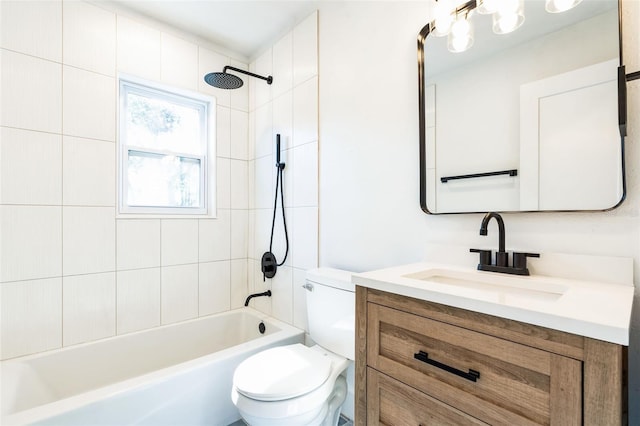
<point x="282" y="373"/>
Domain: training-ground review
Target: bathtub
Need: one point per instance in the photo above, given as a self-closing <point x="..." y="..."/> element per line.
<point x="179" y="374"/>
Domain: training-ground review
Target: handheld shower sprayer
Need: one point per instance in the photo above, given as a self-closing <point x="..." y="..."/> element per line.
<point x="279" y="165"/>
<point x="269" y="263"/>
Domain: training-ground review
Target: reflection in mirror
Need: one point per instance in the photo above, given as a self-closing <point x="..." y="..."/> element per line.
<point x="538" y="105"/>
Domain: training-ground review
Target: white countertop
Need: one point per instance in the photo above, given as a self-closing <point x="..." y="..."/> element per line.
<point x="599" y="310"/>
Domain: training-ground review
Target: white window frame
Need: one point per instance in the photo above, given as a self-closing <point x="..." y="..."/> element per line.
<point x="207" y="158"/>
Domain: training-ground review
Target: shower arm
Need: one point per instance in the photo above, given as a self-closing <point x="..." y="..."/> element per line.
<point x="269" y="79"/>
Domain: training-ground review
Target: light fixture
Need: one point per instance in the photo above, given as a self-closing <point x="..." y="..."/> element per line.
<point x="509" y="16"/>
<point x="461" y="34"/>
<point x="452" y="18"/>
<point x="558" y="6"/>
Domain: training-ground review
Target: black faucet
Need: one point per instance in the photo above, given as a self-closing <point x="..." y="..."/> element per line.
<point x="251" y="296"/>
<point x="502" y="257"/>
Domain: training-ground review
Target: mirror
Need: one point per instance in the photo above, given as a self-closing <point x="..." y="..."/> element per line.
<point x="526" y="121"/>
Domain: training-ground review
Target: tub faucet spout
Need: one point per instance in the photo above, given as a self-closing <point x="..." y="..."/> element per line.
<point x="251" y="296"/>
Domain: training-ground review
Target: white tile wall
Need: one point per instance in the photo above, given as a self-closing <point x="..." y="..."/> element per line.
<point x="31" y="316"/>
<point x="138" y="49"/>
<point x="31" y="93"/>
<point x="223" y="183"/>
<point x="304" y="239"/>
<point x="32" y="27"/>
<point x="30" y="167"/>
<point x="138" y="243"/>
<point x="239" y="230"/>
<point x="31" y="242"/>
<point x="88" y="240"/>
<point x="305" y="116"/>
<point x="89" y="307"/>
<point x="179" y="241"/>
<point x="214" y="287"/>
<point x="179" y="62"/>
<point x="88" y="172"/>
<point x="239" y="282"/>
<point x="88" y="104"/>
<point x="89" y="37"/>
<point x="264" y="135"/>
<point x="263" y="66"/>
<point x="239" y="184"/>
<point x="239" y="135"/>
<point x="283" y="65"/>
<point x="283" y="118"/>
<point x="223" y="132"/>
<point x="305" y="49"/>
<point x="264" y="182"/>
<point x="138" y="300"/>
<point x="179" y="294"/>
<point x="215" y="237"/>
<point x="305" y="175"/>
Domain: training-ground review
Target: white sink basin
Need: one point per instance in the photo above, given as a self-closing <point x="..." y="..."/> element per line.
<point x="501" y="285"/>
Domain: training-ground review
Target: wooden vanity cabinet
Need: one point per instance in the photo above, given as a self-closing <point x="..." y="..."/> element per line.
<point x="423" y="363"/>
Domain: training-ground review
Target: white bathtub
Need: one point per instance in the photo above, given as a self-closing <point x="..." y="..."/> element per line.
<point x="179" y="374"/>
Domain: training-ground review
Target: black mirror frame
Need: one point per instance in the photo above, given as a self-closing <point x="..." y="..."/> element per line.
<point x="623" y="78"/>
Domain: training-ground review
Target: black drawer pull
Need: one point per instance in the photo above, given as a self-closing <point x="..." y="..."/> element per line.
<point x="472" y="375"/>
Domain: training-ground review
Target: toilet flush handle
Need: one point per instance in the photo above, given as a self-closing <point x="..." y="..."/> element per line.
<point x="308" y="286"/>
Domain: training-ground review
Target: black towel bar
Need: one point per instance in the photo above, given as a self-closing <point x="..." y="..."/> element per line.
<point x="512" y="172"/>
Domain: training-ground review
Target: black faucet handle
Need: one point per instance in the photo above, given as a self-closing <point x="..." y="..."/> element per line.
<point x="485" y="256"/>
<point x="520" y="259"/>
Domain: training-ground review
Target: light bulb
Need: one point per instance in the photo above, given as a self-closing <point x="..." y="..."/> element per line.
<point x="460" y="28"/>
<point x="509" y="17"/>
<point x="461" y="35"/>
<point x="443" y="13"/>
<point x="558" y="6"/>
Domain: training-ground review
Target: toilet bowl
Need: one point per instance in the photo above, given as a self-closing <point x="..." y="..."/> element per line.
<point x="291" y="385"/>
<point x="296" y="385"/>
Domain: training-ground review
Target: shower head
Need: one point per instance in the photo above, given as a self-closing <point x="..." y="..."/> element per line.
<point x="224" y="80"/>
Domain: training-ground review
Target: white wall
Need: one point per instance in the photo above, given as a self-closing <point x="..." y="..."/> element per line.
<point x="369" y="203"/>
<point x="71" y="271"/>
<point x="289" y="107"/>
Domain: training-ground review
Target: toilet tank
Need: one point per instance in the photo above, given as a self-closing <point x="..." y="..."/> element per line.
<point x="331" y="310"/>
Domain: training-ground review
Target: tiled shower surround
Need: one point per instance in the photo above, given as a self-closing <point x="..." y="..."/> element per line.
<point x="71" y="269"/>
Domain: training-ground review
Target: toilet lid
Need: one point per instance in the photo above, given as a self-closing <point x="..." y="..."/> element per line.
<point x="281" y="373"/>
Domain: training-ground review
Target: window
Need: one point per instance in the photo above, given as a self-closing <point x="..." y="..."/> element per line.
<point x="166" y="150"/>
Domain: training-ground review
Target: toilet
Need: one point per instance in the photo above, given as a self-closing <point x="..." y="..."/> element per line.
<point x="298" y="385"/>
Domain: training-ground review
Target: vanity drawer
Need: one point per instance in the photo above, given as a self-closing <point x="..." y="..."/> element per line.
<point x="489" y="378"/>
<point x="394" y="403"/>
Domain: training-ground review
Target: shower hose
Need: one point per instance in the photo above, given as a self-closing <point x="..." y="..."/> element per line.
<point x="279" y="183"/>
<point x="269" y="262"/>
